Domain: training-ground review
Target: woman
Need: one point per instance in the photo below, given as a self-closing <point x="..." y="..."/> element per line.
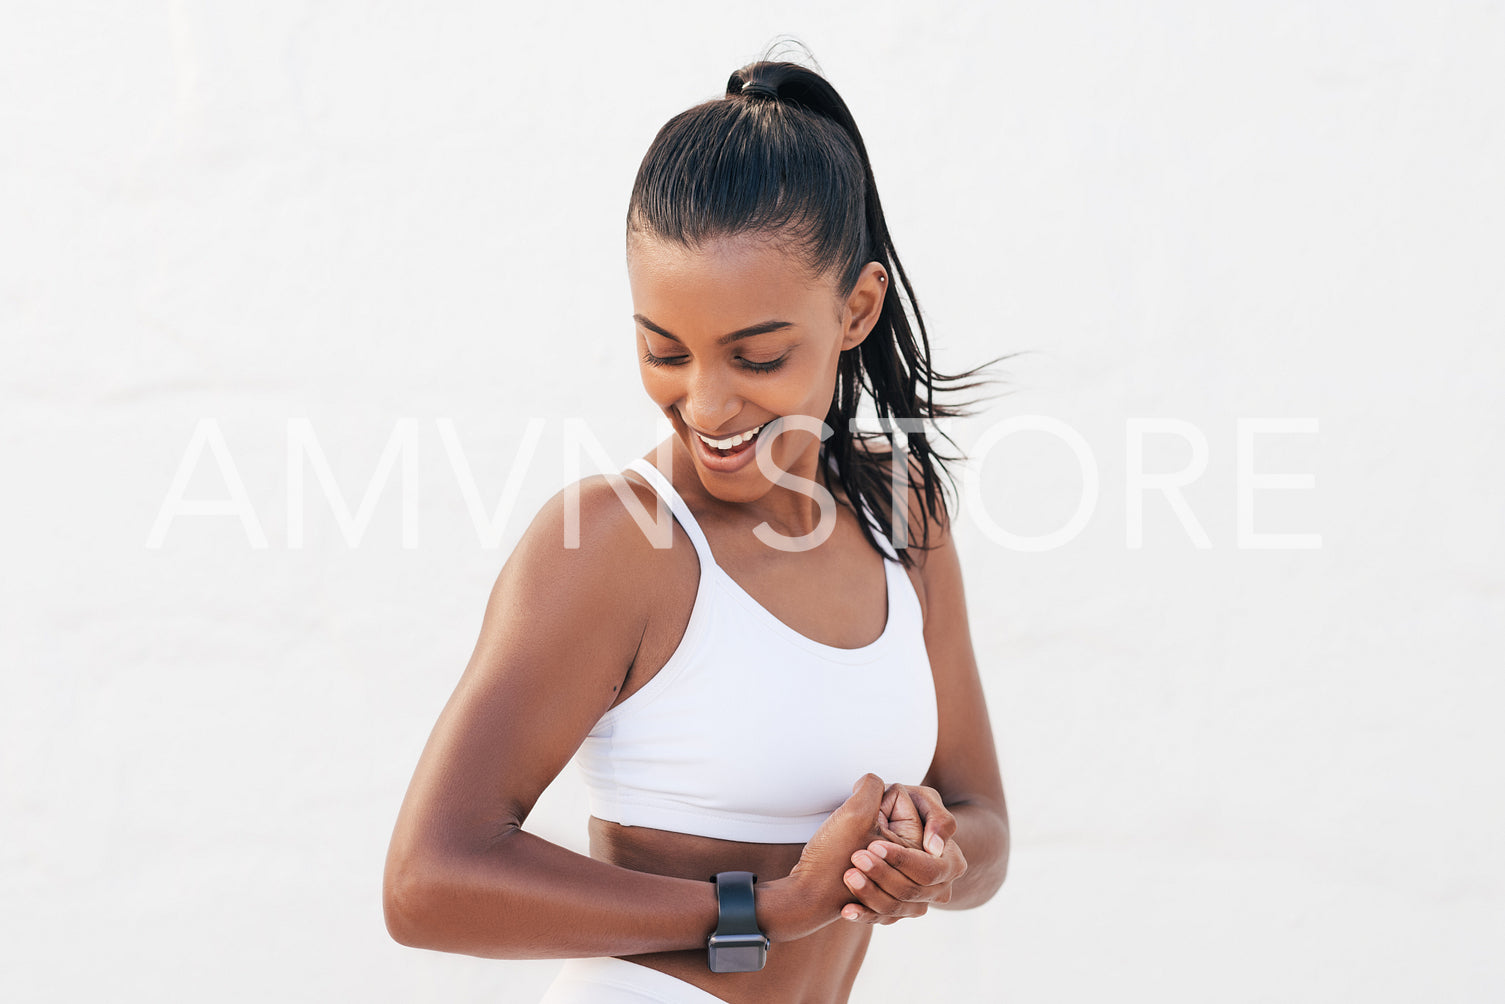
<point x="772" y="687"/>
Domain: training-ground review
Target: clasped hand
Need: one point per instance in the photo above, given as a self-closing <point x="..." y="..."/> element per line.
<point x="896" y="848"/>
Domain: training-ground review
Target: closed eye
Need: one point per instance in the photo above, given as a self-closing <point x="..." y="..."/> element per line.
<point x="767" y="367"/>
<point x="749" y="364"/>
<point x="653" y="360"/>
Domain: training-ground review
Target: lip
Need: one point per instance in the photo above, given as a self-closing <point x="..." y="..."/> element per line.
<point x="725" y="435"/>
<point x="713" y="461"/>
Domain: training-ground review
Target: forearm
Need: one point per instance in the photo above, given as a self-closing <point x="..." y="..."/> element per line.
<point x="982" y="833"/>
<point x="527" y="898"/>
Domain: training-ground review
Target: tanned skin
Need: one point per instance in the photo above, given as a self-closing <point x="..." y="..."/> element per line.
<point x="570" y="632"/>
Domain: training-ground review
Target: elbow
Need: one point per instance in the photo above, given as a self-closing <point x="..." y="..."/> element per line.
<point x="402" y="901"/>
<point x="418" y="902"/>
<point x="432" y="901"/>
<point x="999" y="871"/>
<point x="1003" y="855"/>
<point x="987" y="868"/>
<point x="987" y="885"/>
<point x="1001" y="874"/>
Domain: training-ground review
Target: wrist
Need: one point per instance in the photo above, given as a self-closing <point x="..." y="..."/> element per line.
<point x="787" y="913"/>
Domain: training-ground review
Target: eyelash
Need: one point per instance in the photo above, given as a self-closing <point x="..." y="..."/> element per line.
<point x="768" y="367"/>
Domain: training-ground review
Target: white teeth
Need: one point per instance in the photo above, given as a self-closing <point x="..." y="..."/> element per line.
<point x="727" y="444"/>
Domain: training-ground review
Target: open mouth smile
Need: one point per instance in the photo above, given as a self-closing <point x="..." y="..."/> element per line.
<point x="731" y="443"/>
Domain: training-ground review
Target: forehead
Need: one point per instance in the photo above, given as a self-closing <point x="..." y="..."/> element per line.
<point x="741" y="275"/>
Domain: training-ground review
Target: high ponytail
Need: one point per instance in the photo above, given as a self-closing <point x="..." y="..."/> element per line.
<point x="781" y="154"/>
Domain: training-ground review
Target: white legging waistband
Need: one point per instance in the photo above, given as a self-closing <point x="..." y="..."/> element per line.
<point x="608" y="980"/>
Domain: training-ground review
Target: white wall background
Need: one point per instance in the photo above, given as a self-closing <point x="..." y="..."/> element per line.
<point x="1234" y="774"/>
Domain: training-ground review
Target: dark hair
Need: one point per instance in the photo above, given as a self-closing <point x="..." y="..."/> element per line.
<point x="779" y="155"/>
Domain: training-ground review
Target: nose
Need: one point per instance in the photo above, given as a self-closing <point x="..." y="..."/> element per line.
<point x="710" y="402"/>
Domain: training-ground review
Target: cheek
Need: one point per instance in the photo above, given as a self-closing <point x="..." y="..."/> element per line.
<point x="660" y="386"/>
<point x="820" y="386"/>
<point x="806" y="391"/>
<point x="809" y="397"/>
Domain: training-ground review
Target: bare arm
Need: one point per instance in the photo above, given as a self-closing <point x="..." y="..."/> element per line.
<point x="559" y="634"/>
<point x="965" y="771"/>
<point x="961" y="800"/>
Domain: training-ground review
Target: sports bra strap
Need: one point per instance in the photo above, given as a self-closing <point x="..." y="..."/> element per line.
<point x="681" y="512"/>
<point x="677" y="506"/>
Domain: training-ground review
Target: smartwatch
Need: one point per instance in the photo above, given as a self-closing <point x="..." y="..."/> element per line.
<point x="736" y="946"/>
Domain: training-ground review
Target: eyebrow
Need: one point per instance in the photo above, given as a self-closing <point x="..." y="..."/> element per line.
<point x="753" y="329"/>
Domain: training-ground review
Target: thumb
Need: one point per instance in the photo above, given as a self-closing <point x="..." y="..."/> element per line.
<point x="867" y="796"/>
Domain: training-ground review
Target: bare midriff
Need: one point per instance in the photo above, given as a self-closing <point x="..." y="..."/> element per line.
<point x="818" y="969"/>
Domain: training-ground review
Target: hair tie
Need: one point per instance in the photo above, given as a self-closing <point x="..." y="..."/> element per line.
<point x="763" y="89"/>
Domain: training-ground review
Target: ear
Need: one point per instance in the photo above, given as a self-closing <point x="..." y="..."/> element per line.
<point x="864" y="305"/>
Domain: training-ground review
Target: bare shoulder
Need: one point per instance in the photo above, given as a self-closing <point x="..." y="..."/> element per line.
<point x="585" y="539"/>
<point x="557" y="638"/>
<point x="575" y="578"/>
<point x="593" y="518"/>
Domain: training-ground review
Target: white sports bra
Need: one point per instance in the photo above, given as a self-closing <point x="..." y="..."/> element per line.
<point x="752" y="731"/>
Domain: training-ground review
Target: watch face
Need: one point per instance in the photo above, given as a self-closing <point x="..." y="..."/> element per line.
<point x="738" y="953"/>
<point x="737" y="959"/>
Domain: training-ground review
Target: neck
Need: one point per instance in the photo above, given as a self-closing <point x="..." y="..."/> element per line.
<point x="790" y="510"/>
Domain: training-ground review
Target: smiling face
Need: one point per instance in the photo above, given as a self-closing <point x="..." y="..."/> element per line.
<point x="737" y="335"/>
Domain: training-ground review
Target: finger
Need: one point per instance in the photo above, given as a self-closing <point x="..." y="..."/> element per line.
<point x="869" y="895"/>
<point x="920" y="867"/>
<point x="940" y="824"/>
<point x="886" y="811"/>
<point x="867" y="793"/>
<point x="905" y="834"/>
<point x="888" y="879"/>
<point x="936" y="875"/>
<point x="904" y="819"/>
<point x="859" y="913"/>
<point x="904" y="806"/>
<point x="885" y="832"/>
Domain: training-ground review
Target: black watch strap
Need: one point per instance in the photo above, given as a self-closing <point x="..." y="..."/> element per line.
<point x="736" y="946"/>
<point x="735" y="903"/>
